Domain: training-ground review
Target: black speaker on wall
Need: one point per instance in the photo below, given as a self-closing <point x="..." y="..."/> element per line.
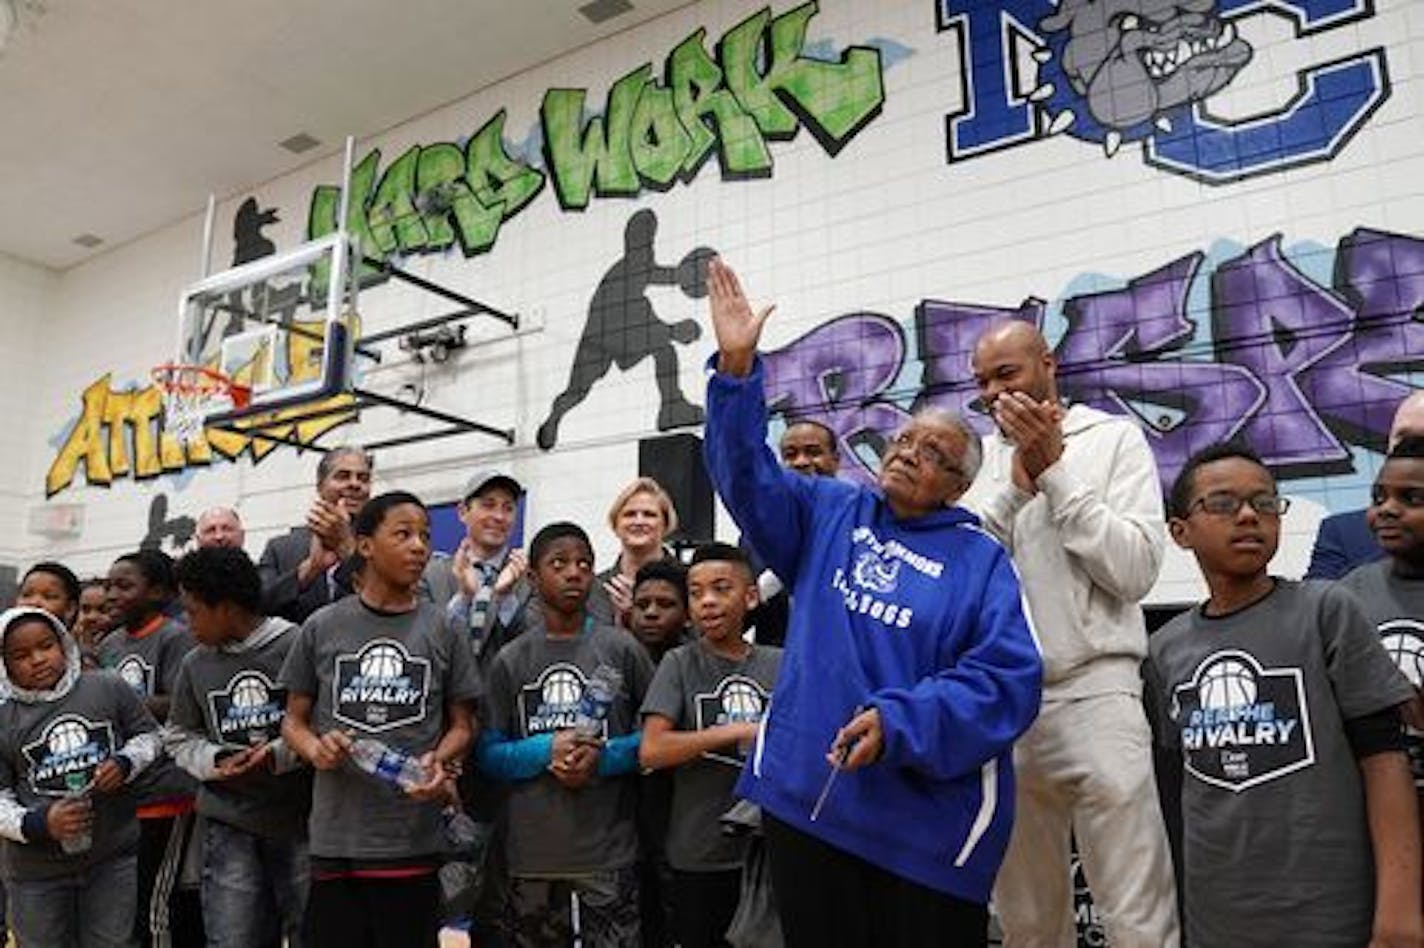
<point x="675" y="461"/>
<point x="9" y="585"/>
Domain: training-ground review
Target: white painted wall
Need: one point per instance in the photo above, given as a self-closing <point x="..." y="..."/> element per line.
<point x="27" y="300"/>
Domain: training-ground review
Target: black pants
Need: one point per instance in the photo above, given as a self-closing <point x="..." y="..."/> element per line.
<point x="347" y="912"/>
<point x="168" y="915"/>
<point x="826" y="896"/>
<point x="703" y="906"/>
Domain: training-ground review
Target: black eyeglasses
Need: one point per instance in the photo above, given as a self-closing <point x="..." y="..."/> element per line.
<point x="921" y="448"/>
<point x="1223" y="504"/>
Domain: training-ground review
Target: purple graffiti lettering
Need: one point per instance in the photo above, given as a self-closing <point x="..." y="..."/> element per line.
<point x="1382" y="276"/>
<point x="1116" y="356"/>
<point x="1272" y="319"/>
<point x="840" y="373"/>
<point x="946" y="333"/>
<point x="1299" y="371"/>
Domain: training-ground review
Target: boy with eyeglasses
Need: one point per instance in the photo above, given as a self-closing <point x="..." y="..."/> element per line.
<point x="1392" y="589"/>
<point x="1299" y="820"/>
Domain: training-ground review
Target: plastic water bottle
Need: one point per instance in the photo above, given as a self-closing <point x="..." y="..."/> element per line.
<point x="603" y="686"/>
<point x="387" y="763"/>
<point x="77" y="789"/>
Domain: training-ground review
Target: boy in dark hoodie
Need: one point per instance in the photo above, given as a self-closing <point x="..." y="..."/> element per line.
<point x="224" y="728"/>
<point x="69" y="745"/>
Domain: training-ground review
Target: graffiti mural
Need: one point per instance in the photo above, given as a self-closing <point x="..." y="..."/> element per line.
<point x="623" y="330"/>
<point x="119" y="433"/>
<point x="1111" y="72"/>
<point x="1300" y="371"/>
<point x="760" y="85"/>
<point x="174" y="532"/>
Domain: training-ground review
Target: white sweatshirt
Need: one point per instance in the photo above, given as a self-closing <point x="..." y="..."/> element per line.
<point x="1088" y="547"/>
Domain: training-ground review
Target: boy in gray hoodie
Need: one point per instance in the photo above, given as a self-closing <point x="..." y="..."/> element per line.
<point x="225" y="728"/>
<point x="70" y="743"/>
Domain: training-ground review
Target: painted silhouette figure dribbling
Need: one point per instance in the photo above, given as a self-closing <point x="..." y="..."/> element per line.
<point x="622" y="328"/>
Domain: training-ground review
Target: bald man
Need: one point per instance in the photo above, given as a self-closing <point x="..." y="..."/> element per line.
<point x="1075" y="495"/>
<point x="810" y="447"/>
<point x="1344" y="540"/>
<point x="220" y="526"/>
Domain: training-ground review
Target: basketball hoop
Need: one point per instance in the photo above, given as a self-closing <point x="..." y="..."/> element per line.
<point x="193" y="392"/>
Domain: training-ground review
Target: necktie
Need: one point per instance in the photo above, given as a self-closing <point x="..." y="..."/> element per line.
<point x="482" y="604"/>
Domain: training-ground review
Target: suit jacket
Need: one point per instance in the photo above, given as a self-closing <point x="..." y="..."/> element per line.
<point x="281" y="595"/>
<point x="1343" y="542"/>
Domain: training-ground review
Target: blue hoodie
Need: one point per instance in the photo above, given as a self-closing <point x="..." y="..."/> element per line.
<point x="921" y="619"/>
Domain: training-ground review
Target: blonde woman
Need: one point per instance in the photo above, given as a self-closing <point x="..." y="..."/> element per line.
<point x="641" y="516"/>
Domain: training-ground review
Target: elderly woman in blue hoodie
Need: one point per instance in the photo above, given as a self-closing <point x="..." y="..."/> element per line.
<point x="884" y="766"/>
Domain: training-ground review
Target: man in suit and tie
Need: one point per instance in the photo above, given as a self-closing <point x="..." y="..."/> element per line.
<point x="483" y="587"/>
<point x="300" y="568"/>
<point x="1344" y="540"/>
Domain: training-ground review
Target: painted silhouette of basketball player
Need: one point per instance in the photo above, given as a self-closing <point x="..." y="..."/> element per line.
<point x="622" y="328"/>
<point x="248" y="244"/>
<point x="177" y="530"/>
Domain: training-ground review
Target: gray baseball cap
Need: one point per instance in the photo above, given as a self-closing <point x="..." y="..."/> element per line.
<point x="489" y="477"/>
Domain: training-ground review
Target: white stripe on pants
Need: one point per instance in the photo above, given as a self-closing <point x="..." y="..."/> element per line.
<point x="1085" y="768"/>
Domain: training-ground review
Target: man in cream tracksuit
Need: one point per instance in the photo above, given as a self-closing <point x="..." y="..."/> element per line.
<point x="1074" y="495"/>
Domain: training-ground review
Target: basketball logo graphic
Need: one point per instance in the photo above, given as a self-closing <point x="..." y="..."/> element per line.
<point x="1405" y="648"/>
<point x="741" y="701"/>
<point x="1242" y="724"/>
<point x="134" y="672"/>
<point x="249" y="692"/>
<point x="562" y="688"/>
<point x="1227" y="684"/>
<point x="382" y="662"/>
<point x="66" y="737"/>
<point x="381" y="686"/>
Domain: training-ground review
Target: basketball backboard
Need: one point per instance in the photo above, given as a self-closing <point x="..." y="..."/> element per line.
<point x="279" y="325"/>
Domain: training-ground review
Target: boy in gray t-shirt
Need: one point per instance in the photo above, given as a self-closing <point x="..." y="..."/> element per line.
<point x="1392" y="589"/>
<point x="1299" y="821"/>
<point x="701" y="713"/>
<point x="146" y="651"/>
<point x="571" y="826"/>
<point x="224" y="728"/>
<point x="383" y="666"/>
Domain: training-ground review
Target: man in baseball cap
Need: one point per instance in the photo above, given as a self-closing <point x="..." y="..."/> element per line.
<point x="482" y="586"/>
<point x="485" y="592"/>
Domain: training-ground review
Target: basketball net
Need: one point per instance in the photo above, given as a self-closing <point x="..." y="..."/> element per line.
<point x="193" y="392"/>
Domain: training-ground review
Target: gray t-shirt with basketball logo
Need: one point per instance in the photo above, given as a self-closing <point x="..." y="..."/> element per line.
<point x="149" y="664"/>
<point x="535" y="684"/>
<point x="695" y="688"/>
<point x="386" y="676"/>
<point x="45" y="744"/>
<point x="1396" y="606"/>
<point x="231" y="697"/>
<point x="1277" y="847"/>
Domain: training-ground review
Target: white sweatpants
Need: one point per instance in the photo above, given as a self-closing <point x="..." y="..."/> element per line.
<point x="1085" y="768"/>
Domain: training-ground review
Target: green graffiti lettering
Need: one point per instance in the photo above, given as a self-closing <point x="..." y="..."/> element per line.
<point x="496" y="177"/>
<point x="395" y="223"/>
<point x="321" y="219"/>
<point x="756" y="87"/>
<point x="834" y="99"/>
<point x="439" y="180"/>
<point x="581" y="159"/>
<point x="699" y="95"/>
<point x="658" y="140"/>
